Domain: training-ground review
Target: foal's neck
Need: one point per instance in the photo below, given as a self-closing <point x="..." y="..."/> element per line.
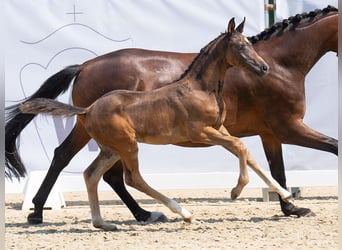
<point x="208" y="70"/>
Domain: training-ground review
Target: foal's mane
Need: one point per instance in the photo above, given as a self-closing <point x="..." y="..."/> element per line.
<point x="204" y="51"/>
<point x="291" y="23"/>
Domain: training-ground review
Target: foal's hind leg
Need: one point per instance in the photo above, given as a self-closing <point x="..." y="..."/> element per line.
<point x="134" y="179"/>
<point x="114" y="177"/>
<point x="92" y="176"/>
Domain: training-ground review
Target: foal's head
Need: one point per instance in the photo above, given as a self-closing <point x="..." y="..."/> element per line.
<point x="240" y="51"/>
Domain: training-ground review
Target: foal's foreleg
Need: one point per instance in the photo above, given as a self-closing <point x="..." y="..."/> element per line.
<point x="236" y="146"/>
<point x="92" y="176"/>
<point x="211" y="136"/>
<point x="273" y="184"/>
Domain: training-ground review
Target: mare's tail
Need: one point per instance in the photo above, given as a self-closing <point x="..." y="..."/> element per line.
<point x="17" y="121"/>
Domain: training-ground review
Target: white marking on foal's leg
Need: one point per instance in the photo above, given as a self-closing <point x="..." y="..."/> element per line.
<point x="271" y="183"/>
<point x="284" y="194"/>
<point x="176" y="208"/>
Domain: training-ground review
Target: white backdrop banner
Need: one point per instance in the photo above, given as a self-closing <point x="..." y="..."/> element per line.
<point x="44" y="36"/>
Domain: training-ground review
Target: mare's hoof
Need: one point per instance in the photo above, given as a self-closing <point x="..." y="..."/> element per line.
<point x="157" y="217"/>
<point x="308" y="214"/>
<point x="34" y="220"/>
<point x="300" y="212"/>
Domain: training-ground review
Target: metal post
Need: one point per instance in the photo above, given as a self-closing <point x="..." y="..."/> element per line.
<point x="270" y="7"/>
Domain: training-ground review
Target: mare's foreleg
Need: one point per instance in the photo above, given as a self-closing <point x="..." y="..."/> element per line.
<point x="62" y="156"/>
<point x="114" y="177"/>
<point x="274" y="155"/>
<point x="92" y="176"/>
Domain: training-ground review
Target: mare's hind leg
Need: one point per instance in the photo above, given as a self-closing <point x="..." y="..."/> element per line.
<point x="134" y="179"/>
<point x="274" y="155"/>
<point x="92" y="176"/>
<point x="298" y="133"/>
<point x="62" y="156"/>
<point x="114" y="177"/>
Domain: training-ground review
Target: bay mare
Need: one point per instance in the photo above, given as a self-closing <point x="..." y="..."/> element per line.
<point x="189" y="110"/>
<point x="272" y="107"/>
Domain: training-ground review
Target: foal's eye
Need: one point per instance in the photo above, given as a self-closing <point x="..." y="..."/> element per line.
<point x="240" y="46"/>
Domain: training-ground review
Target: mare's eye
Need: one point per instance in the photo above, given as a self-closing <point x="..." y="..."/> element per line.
<point x="240" y="46"/>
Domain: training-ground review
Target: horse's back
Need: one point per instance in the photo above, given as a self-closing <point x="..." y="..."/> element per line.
<point x="131" y="69"/>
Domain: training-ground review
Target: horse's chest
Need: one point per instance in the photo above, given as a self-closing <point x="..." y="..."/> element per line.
<point x="209" y="109"/>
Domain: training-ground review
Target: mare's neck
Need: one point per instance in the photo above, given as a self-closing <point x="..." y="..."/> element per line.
<point x="301" y="48"/>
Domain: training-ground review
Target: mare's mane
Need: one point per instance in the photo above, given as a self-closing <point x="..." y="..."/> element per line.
<point x="291" y="23"/>
<point x="278" y="28"/>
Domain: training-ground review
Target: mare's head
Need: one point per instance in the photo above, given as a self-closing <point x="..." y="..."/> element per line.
<point x="240" y="51"/>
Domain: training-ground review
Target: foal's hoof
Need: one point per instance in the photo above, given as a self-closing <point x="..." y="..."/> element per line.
<point x="34" y="220"/>
<point x="234" y="194"/>
<point x="107" y="227"/>
<point x="111" y="228"/>
<point x="188" y="219"/>
<point x="157" y="217"/>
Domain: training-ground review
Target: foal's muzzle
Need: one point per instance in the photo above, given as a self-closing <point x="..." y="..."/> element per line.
<point x="264" y="69"/>
<point x="261" y="69"/>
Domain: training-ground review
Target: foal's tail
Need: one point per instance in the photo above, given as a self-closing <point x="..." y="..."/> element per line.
<point x="48" y="106"/>
<point x="16" y="121"/>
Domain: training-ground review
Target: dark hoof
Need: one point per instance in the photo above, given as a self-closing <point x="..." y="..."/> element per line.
<point x="300" y="212"/>
<point x="34" y="220"/>
<point x="309" y="214"/>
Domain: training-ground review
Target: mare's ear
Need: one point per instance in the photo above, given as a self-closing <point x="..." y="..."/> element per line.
<point x="231" y="26"/>
<point x="241" y="25"/>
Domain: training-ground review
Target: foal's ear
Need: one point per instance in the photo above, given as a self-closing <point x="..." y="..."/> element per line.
<point x="231" y="26"/>
<point x="241" y="25"/>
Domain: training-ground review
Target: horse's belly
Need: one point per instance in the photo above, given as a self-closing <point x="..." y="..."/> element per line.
<point x="161" y="137"/>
